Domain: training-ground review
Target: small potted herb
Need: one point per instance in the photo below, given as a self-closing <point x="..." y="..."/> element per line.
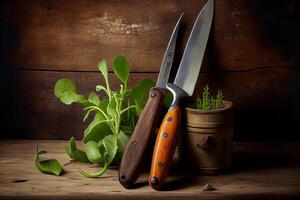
<point x="208" y="133"/>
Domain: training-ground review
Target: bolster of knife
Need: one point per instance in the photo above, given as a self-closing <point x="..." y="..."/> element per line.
<point x="140" y="145"/>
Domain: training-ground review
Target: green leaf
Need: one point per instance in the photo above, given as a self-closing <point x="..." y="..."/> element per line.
<point x="100" y="143"/>
<point x="103" y="106"/>
<point x="51" y="166"/>
<point x="101" y="109"/>
<point x="93" y="153"/>
<point x="111" y="147"/>
<point x="111" y="108"/>
<point x="94" y="98"/>
<point x="103" y="68"/>
<point x="122" y="141"/>
<point x="74" y="153"/>
<point x="127" y="129"/>
<point x="168" y="99"/>
<point x="97" y="129"/>
<point x="84" y="101"/>
<point x="121" y="68"/>
<point x="139" y="94"/>
<point x="65" y="90"/>
<point x="108" y="149"/>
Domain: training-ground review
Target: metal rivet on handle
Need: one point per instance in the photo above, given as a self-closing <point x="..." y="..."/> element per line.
<point x="160" y="164"/>
<point x="154" y="180"/>
<point x="153" y="94"/>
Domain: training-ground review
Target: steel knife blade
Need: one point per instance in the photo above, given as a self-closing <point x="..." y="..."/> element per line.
<point x="189" y="68"/>
<point x="183" y="87"/>
<point x="166" y="65"/>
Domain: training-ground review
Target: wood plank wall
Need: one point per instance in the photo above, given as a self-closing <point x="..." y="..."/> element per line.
<point x="252" y="55"/>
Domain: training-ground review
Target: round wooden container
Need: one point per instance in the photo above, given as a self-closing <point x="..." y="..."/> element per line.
<point x="206" y="143"/>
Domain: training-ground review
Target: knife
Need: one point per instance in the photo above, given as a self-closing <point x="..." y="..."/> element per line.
<point x="141" y="142"/>
<point x="183" y="87"/>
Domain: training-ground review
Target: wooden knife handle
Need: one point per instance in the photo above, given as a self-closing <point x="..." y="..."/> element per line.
<point x="141" y="142"/>
<point x="166" y="140"/>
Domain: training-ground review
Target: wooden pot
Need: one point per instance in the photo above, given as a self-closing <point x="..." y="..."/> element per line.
<point x="206" y="143"/>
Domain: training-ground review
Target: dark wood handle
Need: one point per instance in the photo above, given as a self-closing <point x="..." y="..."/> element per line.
<point x="141" y="143"/>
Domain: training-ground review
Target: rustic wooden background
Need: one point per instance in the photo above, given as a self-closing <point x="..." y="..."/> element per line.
<point x="252" y="55"/>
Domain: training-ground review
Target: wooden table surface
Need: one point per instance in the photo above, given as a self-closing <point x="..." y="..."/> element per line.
<point x="261" y="171"/>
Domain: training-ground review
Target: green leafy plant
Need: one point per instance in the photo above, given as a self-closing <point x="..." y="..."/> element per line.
<point x="209" y="102"/>
<point x="74" y="153"/>
<point x="113" y="114"/>
<point x="51" y="166"/>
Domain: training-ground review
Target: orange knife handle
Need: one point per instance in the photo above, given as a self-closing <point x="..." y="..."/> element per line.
<point x="140" y="145"/>
<point x="166" y="140"/>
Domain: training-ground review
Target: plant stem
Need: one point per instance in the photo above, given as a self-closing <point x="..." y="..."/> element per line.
<point x="122" y="111"/>
<point x="98" y="109"/>
<point x="95" y="175"/>
<point x="117" y="117"/>
<point x="108" y="89"/>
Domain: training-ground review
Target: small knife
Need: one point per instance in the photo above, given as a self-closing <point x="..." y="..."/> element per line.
<point x="141" y="143"/>
<point x="184" y="84"/>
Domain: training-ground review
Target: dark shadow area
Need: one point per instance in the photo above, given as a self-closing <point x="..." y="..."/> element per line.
<point x="280" y="25"/>
<point x="179" y="182"/>
<point x="251" y="162"/>
<point x="10" y="34"/>
<point x="139" y="184"/>
<point x="273" y="118"/>
<point x="280" y="22"/>
<point x="11" y="110"/>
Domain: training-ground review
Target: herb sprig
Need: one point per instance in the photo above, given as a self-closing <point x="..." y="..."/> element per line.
<point x="208" y="101"/>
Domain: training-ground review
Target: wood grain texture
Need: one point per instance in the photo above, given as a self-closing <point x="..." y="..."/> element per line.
<point x="141" y="143"/>
<point x="266" y="102"/>
<point x="261" y="171"/>
<point x="35" y="109"/>
<point x="245" y="34"/>
<point x="252" y="54"/>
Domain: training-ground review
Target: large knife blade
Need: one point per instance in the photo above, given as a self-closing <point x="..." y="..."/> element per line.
<point x="142" y="140"/>
<point x="184" y="84"/>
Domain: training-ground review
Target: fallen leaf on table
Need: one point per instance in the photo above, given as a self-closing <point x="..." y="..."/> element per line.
<point x="51" y="166"/>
